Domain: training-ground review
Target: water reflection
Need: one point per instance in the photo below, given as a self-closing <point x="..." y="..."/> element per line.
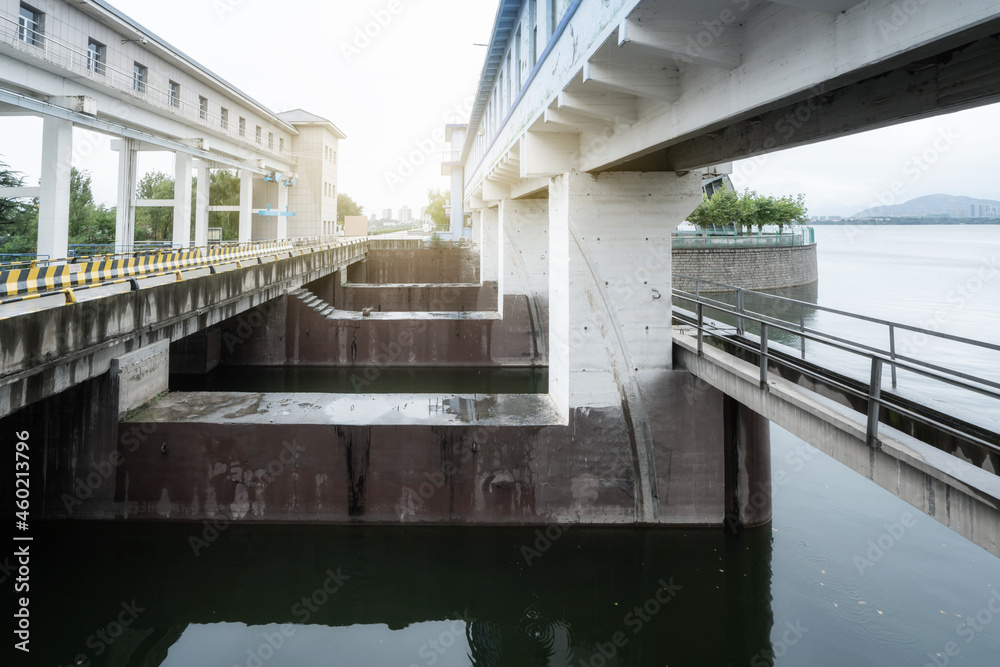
<point x="349" y="595"/>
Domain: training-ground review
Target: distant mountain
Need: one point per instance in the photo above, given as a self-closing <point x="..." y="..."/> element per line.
<point x="924" y="206"/>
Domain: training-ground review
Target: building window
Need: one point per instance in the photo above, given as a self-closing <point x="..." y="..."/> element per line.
<point x="203" y="108"/>
<point x="224" y="115"/>
<point x="95" y="57"/>
<point x="243" y="127"/>
<point x="139" y="76"/>
<point x="333" y="156"/>
<point x="270" y="141"/>
<point x="281" y="144"/>
<point x="174" y="96"/>
<point x="258" y="136"/>
<point x="29" y="25"/>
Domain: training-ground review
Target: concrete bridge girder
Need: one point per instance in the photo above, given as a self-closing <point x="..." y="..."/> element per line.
<point x="829" y="64"/>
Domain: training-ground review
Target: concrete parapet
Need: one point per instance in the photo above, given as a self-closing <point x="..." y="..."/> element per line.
<point x="141" y="375"/>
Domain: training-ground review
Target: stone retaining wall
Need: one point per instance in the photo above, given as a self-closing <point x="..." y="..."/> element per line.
<point x="749" y="268"/>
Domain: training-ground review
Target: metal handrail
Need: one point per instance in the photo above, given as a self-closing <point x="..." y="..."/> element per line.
<point x="878" y="359"/>
<point x="46" y="46"/>
<point x="707" y="238"/>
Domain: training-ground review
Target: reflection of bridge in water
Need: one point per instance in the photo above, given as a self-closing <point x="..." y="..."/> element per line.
<point x="518" y="597"/>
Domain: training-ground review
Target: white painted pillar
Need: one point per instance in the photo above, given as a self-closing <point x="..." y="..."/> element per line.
<point x="457" y="196"/>
<point x="558" y="252"/>
<point x="246" y="206"/>
<point x="182" y="200"/>
<point x="128" y="158"/>
<point x="201" y="205"/>
<point x="491" y="250"/>
<point x="282" y="225"/>
<point x="53" y="202"/>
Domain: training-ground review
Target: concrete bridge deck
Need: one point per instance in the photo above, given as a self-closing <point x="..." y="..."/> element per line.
<point x="949" y="474"/>
<point x="50" y="350"/>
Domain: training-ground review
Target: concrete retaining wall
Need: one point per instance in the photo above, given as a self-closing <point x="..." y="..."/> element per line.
<point x="749" y="268"/>
<point x="444" y="265"/>
<point x="418" y="298"/>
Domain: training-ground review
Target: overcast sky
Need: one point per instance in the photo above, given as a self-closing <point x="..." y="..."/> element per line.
<point x="393" y="95"/>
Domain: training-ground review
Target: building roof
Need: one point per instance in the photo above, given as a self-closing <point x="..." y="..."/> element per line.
<point x="303" y="117"/>
<point x="117" y="13"/>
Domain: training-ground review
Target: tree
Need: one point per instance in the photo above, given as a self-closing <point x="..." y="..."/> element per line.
<point x="154" y="223"/>
<point x="749" y="210"/>
<point x="89" y="223"/>
<point x="347" y="206"/>
<point x="18" y="218"/>
<point x="225" y="191"/>
<point x="436" y="203"/>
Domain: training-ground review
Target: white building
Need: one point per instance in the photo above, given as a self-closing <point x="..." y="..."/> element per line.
<point x="405" y="215"/>
<point x="83" y="63"/>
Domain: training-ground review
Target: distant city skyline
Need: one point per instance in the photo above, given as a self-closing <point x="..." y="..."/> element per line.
<point x="355" y="62"/>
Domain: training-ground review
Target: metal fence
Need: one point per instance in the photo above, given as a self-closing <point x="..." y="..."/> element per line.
<point x="877" y="357"/>
<point x="706" y="238"/>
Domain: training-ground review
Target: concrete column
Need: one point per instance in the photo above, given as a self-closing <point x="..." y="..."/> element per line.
<point x="201" y="206"/>
<point x="246" y="206"/>
<point x="491" y="249"/>
<point x="282" y="226"/>
<point x="748" y="466"/>
<point x="182" y="200"/>
<point x="560" y="210"/>
<point x="53" y="202"/>
<point x="457" y="195"/>
<point x="128" y="155"/>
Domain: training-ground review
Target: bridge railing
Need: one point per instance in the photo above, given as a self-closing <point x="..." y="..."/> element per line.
<point x="35" y="282"/>
<point x="877" y="358"/>
<point x="708" y="238"/>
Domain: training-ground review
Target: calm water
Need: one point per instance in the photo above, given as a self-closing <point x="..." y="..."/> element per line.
<point x="847" y="574"/>
<point x="941" y="278"/>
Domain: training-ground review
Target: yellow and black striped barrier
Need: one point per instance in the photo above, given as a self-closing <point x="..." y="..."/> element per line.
<point x="30" y="283"/>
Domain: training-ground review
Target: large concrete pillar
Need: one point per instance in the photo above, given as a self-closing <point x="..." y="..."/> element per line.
<point x="201" y="205"/>
<point x="246" y="206"/>
<point x="128" y="157"/>
<point x="610" y="331"/>
<point x="282" y="220"/>
<point x="457" y="195"/>
<point x="53" y="202"/>
<point x="491" y="250"/>
<point x="748" y="466"/>
<point x="182" y="200"/>
<point x="560" y="209"/>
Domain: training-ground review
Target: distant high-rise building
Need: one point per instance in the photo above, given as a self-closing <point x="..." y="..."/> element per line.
<point x="387" y="214"/>
<point x="405" y="215"/>
<point x="373" y="218"/>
